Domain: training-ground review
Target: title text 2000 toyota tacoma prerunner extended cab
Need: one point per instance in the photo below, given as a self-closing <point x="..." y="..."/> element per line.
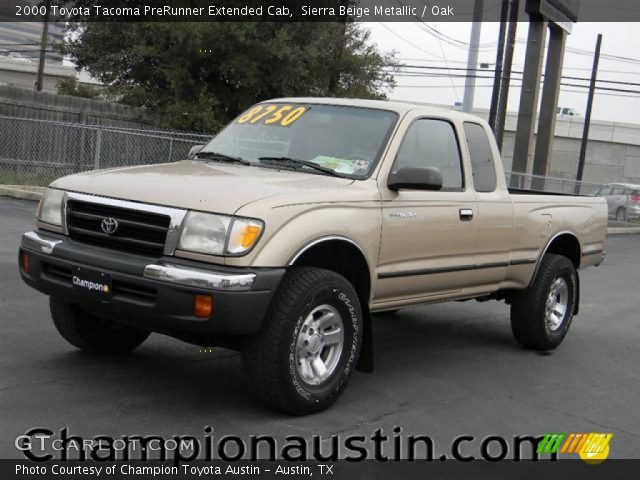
<point x="292" y="226"/>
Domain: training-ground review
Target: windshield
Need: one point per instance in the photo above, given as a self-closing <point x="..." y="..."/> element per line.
<point x="345" y="140"/>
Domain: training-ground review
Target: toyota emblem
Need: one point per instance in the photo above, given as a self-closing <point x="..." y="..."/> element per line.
<point x="109" y="225"/>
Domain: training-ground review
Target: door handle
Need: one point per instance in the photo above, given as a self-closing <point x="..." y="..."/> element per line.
<point x="466" y="214"/>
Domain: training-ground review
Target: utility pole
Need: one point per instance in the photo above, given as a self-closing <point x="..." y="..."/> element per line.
<point x="527" y="112"/>
<point x="472" y="59"/>
<point x="43" y="47"/>
<point x="497" y="76"/>
<point x="548" y="105"/>
<point x="587" y="115"/>
<point x="334" y="75"/>
<point x="506" y="72"/>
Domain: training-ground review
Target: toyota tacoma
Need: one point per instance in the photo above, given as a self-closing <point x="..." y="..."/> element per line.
<point x="294" y="225"/>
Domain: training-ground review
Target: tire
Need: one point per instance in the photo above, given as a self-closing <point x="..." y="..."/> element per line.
<point x="281" y="368"/>
<point x="531" y="324"/>
<point x="621" y="214"/>
<point x="93" y="334"/>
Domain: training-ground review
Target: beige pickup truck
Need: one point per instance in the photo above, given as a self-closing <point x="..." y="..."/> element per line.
<point x="302" y="218"/>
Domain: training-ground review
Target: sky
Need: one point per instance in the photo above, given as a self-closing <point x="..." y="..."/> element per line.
<point x="416" y="46"/>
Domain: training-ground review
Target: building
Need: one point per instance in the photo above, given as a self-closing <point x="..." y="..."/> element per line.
<point x="20" y="72"/>
<point x="22" y="40"/>
<point x="20" y="55"/>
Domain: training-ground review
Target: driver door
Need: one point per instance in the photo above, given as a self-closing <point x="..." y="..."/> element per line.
<point x="428" y="237"/>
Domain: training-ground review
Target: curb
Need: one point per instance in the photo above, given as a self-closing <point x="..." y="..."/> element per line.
<point x="22" y="192"/>
<point x="622" y="230"/>
<point x="25" y="192"/>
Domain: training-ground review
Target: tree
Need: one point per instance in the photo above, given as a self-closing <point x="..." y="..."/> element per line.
<point x="198" y="76"/>
<point x="71" y="86"/>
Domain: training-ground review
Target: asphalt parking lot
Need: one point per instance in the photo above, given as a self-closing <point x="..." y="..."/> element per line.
<point x="442" y="370"/>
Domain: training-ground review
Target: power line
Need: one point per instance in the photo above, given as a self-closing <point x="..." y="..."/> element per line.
<point x="564" y="84"/>
<point x="446" y="62"/>
<point x="452" y="41"/>
<point x="411" y="43"/>
<point x="489" y="70"/>
<point x="567" y="90"/>
<point x="424" y="60"/>
<point x="464" y="73"/>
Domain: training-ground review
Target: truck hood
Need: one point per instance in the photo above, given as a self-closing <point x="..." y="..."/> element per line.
<point x="197" y="185"/>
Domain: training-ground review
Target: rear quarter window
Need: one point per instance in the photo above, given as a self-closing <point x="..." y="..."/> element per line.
<point x="482" y="162"/>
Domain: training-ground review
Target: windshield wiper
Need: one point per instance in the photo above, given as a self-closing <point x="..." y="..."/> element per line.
<point x="221" y="157"/>
<point x="293" y="162"/>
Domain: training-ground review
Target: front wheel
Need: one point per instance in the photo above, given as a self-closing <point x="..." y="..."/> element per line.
<point x="91" y="333"/>
<point x="541" y="314"/>
<point x="307" y="348"/>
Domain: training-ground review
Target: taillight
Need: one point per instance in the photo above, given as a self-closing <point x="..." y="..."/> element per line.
<point x="635" y="198"/>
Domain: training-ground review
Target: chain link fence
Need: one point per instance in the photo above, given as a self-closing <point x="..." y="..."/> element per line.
<point x="567" y="186"/>
<point x="623" y="200"/>
<point x="36" y="152"/>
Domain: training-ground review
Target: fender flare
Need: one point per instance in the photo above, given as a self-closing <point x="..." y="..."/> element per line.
<point x="365" y="362"/>
<point x="546" y="247"/>
<point x="326" y="238"/>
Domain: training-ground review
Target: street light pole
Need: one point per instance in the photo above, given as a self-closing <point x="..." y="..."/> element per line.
<point x="497" y="77"/>
<point x="503" y="100"/>
<point x="472" y="59"/>
<point x="587" y="115"/>
<point x="43" y="47"/>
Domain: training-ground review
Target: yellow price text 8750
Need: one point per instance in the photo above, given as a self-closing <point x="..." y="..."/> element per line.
<point x="270" y="114"/>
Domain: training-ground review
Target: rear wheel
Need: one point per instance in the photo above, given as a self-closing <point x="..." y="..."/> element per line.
<point x="541" y="314"/>
<point x="621" y="214"/>
<point x="308" y="346"/>
<point x="91" y="333"/>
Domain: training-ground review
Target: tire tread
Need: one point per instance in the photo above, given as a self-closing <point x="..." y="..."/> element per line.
<point x="260" y="351"/>
<point x="528" y="306"/>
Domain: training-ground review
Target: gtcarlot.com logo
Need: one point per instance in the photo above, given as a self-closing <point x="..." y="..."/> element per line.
<point x="592" y="447"/>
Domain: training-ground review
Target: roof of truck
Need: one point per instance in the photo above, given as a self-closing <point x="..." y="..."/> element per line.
<point x="394" y="106"/>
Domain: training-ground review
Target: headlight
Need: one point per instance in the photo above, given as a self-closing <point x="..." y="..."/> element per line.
<point x="219" y="234"/>
<point x="50" y="209"/>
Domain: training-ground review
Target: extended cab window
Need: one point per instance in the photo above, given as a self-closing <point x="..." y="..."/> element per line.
<point x="432" y="143"/>
<point x="482" y="163"/>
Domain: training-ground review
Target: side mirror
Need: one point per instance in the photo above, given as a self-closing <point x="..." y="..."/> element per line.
<point x="416" y="178"/>
<point x="194" y="150"/>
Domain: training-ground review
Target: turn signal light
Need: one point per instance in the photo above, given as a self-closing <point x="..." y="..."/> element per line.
<point x="203" y="306"/>
<point x="250" y="234"/>
<point x="24" y="262"/>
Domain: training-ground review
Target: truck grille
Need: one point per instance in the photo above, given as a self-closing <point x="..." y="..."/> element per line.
<point x="137" y="231"/>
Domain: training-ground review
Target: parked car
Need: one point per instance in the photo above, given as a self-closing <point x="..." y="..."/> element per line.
<point x="300" y="219"/>
<point x="623" y="200"/>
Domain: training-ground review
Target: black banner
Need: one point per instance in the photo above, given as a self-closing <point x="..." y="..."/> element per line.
<point x="308" y="11"/>
<point x="369" y="469"/>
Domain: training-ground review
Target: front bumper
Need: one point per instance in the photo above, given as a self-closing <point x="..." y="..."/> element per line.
<point x="155" y="294"/>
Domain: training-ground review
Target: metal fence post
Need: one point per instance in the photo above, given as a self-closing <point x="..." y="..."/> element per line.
<point x="96" y="157"/>
<point x="170" y="149"/>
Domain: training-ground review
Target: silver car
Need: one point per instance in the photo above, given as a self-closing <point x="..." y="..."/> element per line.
<point x="623" y="200"/>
